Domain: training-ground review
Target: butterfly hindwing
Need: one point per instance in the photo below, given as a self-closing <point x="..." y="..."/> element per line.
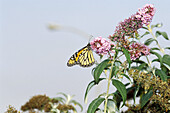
<point x="84" y="57"/>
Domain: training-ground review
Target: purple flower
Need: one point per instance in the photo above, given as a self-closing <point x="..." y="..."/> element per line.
<point x="146" y="14"/>
<point x="101" y="46"/>
<point x="130" y="25"/>
<point x="137" y="49"/>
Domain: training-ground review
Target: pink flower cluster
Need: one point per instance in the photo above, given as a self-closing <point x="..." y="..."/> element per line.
<point x="130" y="25"/>
<point x="137" y="49"/>
<point x="101" y="46"/>
<point x="146" y="14"/>
<point x="127" y="27"/>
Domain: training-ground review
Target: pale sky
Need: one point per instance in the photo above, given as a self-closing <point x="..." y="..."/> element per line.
<point x="33" y="58"/>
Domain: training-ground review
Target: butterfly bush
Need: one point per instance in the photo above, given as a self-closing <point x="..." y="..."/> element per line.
<point x="149" y="81"/>
<point x="137" y="49"/>
<point x="129" y="27"/>
<point x="101" y="46"/>
<point x="126" y="28"/>
<point x="146" y="14"/>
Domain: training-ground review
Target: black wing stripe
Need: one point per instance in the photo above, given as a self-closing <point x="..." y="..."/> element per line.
<point x="89" y="57"/>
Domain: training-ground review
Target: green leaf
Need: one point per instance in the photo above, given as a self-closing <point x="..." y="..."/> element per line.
<point x="149" y="41"/>
<point x="158" y="55"/>
<point x="146" y="33"/>
<point x="60" y="99"/>
<point x="111" y="106"/>
<point x="117" y="97"/>
<point x="168" y="77"/>
<point x="101" y="56"/>
<point x="165" y="68"/>
<point x="142" y="66"/>
<point x="116" y="52"/>
<point x="155" y="60"/>
<point x="166" y="59"/>
<point x="90" y="85"/>
<point x="94" y="105"/>
<point x="62" y="94"/>
<point x="115" y="69"/>
<point x="102" y="95"/>
<point x="145" y="98"/>
<point x="126" y="77"/>
<point x="145" y="28"/>
<point x="162" y="74"/>
<point x="77" y="103"/>
<point x="126" y="52"/>
<point x="164" y="34"/>
<point x="155" y="48"/>
<point x="167" y="48"/>
<point x="99" y="69"/>
<point x="138" y="61"/>
<point x="121" y="88"/>
<point x="135" y="94"/>
<point x="158" y="33"/>
<point x="127" y="84"/>
<point x="92" y="71"/>
<point x="157" y="25"/>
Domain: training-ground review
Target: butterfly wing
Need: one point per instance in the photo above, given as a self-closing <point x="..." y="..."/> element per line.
<point x="72" y="60"/>
<point x="84" y="57"/>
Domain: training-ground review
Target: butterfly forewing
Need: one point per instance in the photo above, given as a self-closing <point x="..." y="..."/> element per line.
<point x="72" y="60"/>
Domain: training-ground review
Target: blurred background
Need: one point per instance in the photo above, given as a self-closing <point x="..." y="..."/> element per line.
<point x="33" y="58"/>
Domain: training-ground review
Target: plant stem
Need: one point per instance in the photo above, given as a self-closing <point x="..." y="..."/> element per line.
<point x="149" y="63"/>
<point x="108" y="85"/>
<point x="150" y="30"/>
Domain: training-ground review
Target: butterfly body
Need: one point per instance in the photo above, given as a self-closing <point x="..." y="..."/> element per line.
<point x="84" y="57"/>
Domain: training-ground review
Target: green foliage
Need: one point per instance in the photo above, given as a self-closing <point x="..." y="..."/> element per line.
<point x="164" y="34"/>
<point x="158" y="56"/>
<point x="99" y="69"/>
<point x="125" y="51"/>
<point x="135" y="93"/>
<point x="157" y="25"/>
<point x="162" y="74"/>
<point x="146" y="33"/>
<point x="111" y="106"/>
<point x="166" y="59"/>
<point x="144" y="76"/>
<point x="121" y="88"/>
<point x="90" y="85"/>
<point x="94" y="105"/>
<point x="149" y="41"/>
<point x="145" y="98"/>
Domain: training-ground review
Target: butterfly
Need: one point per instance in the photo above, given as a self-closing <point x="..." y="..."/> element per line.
<point x="84" y="57"/>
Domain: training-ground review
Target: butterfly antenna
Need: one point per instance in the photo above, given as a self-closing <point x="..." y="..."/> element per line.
<point x="90" y="37"/>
